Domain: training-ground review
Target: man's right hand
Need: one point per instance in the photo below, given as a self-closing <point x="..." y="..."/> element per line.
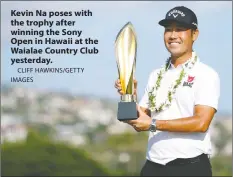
<point x="119" y="89"/>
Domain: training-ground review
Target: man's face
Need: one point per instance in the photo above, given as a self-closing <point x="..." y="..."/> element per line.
<point x="178" y="39"/>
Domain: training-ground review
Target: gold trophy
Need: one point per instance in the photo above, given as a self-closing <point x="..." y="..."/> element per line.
<point x="126" y="50"/>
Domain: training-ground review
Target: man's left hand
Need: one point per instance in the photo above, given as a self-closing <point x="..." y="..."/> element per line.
<point x="142" y="123"/>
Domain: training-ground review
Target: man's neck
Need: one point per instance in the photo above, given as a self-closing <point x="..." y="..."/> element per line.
<point x="177" y="60"/>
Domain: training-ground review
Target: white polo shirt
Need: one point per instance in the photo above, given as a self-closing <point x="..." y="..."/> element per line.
<point x="204" y="90"/>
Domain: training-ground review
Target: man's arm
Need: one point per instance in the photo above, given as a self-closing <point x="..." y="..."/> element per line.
<point x="200" y="122"/>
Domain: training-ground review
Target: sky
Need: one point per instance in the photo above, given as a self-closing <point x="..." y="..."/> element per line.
<point x="214" y="44"/>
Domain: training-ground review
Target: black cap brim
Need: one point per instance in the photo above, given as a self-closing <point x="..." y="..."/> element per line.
<point x="166" y="22"/>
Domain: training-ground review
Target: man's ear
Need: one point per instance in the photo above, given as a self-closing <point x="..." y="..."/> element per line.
<point x="195" y="34"/>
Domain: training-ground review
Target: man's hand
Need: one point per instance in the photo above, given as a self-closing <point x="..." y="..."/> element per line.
<point x="119" y="88"/>
<point x="142" y="123"/>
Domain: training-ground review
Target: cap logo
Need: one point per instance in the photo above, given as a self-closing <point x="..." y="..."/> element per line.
<point x="175" y="13"/>
<point x="194" y="24"/>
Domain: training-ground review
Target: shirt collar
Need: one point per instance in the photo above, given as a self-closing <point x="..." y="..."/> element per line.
<point x="183" y="65"/>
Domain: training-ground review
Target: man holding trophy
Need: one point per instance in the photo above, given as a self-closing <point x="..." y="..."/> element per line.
<point x="179" y="102"/>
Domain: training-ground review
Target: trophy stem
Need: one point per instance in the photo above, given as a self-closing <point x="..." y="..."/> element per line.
<point x="128" y="98"/>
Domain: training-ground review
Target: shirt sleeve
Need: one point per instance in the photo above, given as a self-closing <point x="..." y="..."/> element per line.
<point x="144" y="102"/>
<point x="208" y="91"/>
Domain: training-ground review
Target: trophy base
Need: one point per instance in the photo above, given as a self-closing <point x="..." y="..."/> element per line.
<point x="127" y="111"/>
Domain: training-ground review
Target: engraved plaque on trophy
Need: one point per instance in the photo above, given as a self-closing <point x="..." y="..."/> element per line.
<point x="126" y="50"/>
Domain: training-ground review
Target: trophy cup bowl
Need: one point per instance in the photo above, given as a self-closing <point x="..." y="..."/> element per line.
<point x="126" y="50"/>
